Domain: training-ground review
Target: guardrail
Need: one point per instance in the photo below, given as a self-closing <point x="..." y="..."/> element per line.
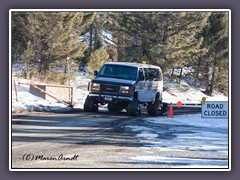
<point x="187" y="108"/>
<point x="189" y="105"/>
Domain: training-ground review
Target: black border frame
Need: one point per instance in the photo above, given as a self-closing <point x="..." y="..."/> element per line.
<point x="121" y="169"/>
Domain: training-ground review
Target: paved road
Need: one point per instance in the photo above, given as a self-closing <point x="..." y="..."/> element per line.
<point x="99" y="140"/>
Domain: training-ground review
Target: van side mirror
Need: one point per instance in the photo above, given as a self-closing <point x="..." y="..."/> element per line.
<point x="95" y="73"/>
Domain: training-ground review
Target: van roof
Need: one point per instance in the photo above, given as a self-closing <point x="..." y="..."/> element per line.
<point x="140" y="65"/>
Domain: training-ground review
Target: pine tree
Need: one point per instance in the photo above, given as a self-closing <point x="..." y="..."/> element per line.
<point x="179" y="43"/>
<point x="163" y="38"/>
<point x="18" y="35"/>
<point x="97" y="59"/>
<point x="214" y="63"/>
<point x="54" y="35"/>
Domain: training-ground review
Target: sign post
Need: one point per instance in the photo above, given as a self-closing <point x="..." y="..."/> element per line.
<point x="68" y="71"/>
<point x="215" y="109"/>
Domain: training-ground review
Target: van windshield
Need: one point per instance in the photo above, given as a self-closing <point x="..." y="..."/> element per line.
<point x="118" y="71"/>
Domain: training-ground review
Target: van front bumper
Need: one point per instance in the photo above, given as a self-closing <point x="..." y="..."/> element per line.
<point x="107" y="98"/>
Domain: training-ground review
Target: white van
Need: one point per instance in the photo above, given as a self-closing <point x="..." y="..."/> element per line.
<point x="124" y="85"/>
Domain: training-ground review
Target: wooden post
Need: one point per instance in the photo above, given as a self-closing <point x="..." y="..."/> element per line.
<point x="15" y="90"/>
<point x="71" y="98"/>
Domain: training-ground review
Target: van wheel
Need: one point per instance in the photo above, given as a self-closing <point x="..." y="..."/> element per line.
<point x="133" y="108"/>
<point x="155" y="109"/>
<point x="157" y="96"/>
<point x="90" y="105"/>
<point x="164" y="108"/>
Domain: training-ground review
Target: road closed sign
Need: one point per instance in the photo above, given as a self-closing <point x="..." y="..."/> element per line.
<point x="215" y="109"/>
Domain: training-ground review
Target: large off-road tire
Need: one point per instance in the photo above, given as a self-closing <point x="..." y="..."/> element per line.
<point x="114" y="107"/>
<point x="156" y="108"/>
<point x="164" y="108"/>
<point x="90" y="105"/>
<point x="133" y="108"/>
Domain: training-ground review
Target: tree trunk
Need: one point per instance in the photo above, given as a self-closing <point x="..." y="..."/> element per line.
<point x="97" y="42"/>
<point x="27" y="71"/>
<point x="172" y="72"/>
<point x="91" y="39"/>
<point x="213" y="77"/>
<point x="206" y="76"/>
<point x="120" y="47"/>
<point x="180" y="76"/>
<point x="44" y="60"/>
<point x="197" y="70"/>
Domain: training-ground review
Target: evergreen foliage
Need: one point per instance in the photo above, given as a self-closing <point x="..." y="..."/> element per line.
<point x="19" y="35"/>
<point x="97" y="59"/>
<point x="28" y="56"/>
<point x="172" y="40"/>
<point x="213" y="65"/>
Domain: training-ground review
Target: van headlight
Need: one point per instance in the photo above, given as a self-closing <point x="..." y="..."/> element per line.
<point x="95" y="87"/>
<point x="126" y="89"/>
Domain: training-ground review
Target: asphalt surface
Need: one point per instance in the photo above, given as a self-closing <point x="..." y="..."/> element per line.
<point x="101" y="140"/>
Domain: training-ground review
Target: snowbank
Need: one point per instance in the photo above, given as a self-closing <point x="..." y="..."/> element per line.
<point x="23" y="100"/>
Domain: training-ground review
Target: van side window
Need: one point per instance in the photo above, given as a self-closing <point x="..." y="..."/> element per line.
<point x="152" y="74"/>
<point x="140" y="75"/>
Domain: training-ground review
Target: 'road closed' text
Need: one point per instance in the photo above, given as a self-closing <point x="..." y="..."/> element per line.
<point x="215" y="109"/>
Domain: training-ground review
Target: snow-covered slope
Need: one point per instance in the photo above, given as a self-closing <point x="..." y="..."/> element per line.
<point x="186" y="94"/>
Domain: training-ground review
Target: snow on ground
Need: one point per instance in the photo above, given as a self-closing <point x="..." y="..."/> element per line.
<point x="185" y="134"/>
<point x="22" y="100"/>
<point x="187" y="94"/>
<point x="209" y="129"/>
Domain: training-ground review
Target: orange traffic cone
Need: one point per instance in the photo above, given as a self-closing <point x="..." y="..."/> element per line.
<point x="170" y="110"/>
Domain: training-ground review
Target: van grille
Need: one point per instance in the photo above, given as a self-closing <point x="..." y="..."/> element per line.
<point x="109" y="88"/>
